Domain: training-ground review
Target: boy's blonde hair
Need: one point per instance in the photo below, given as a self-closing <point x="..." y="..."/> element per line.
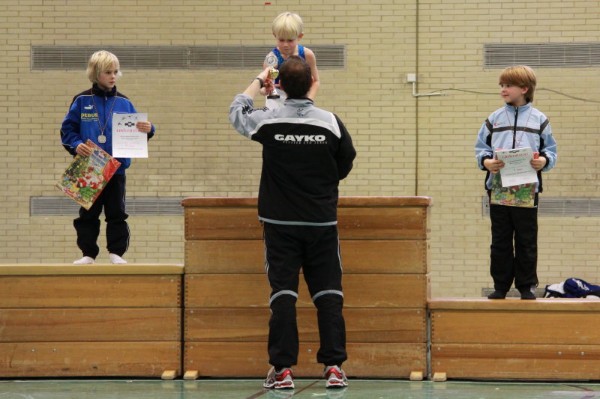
<point x="99" y="62"/>
<point x="287" y="26"/>
<point x="521" y="76"/>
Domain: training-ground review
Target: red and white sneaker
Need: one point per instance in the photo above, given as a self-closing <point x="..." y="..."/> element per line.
<point x="284" y="379"/>
<point x="335" y="376"/>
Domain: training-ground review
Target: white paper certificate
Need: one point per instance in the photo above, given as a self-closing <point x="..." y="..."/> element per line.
<point x="517" y="167"/>
<point x="127" y="141"/>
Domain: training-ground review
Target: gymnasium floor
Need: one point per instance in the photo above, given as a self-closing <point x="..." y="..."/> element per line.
<point x="305" y="389"/>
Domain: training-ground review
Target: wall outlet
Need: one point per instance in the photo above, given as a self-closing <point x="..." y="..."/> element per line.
<point x="411" y="77"/>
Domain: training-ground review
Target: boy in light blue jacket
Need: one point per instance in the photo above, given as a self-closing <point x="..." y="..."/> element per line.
<point x="515" y="229"/>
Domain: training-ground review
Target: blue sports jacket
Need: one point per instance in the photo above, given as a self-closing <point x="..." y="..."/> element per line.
<point x="512" y="127"/>
<point x="89" y="110"/>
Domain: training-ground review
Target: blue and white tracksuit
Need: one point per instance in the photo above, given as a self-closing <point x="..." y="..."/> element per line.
<point x="513" y="127"/>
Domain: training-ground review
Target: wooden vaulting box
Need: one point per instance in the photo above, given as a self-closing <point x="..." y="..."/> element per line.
<point x="546" y="339"/>
<point x="90" y="320"/>
<point x="384" y="244"/>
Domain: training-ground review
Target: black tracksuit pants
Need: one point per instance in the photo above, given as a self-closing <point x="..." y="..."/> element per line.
<point x="316" y="251"/>
<point x="516" y="261"/>
<point x="87" y="225"/>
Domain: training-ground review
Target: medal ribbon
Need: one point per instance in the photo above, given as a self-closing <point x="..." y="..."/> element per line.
<point x="103" y="128"/>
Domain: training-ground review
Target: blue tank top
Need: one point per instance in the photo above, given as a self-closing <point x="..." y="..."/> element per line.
<point x="281" y="60"/>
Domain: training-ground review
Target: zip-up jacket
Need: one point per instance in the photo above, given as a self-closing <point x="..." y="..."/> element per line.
<point x="306" y="152"/>
<point x="516" y="127"/>
<point x="89" y="110"/>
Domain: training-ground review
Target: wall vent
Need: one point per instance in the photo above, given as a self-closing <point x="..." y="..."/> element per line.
<point x="550" y="55"/>
<point x="138" y="206"/>
<point x="175" y="57"/>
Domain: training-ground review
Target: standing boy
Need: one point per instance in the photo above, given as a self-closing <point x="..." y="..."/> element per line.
<point x="288" y="29"/>
<point x="90" y="117"/>
<point x="516" y="125"/>
<point x="306" y="152"/>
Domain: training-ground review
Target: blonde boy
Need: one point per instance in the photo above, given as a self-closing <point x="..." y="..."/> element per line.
<point x="90" y="118"/>
<point x="288" y="29"/>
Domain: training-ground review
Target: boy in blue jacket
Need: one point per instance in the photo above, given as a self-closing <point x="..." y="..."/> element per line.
<point x="90" y="117"/>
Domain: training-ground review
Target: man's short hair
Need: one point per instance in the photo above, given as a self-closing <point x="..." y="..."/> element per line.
<point x="295" y="77"/>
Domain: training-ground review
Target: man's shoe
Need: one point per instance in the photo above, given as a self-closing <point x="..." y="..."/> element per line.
<point x="282" y="379"/>
<point x="335" y="376"/>
<point x="86" y="260"/>
<point x="497" y="295"/>
<point x="116" y="259"/>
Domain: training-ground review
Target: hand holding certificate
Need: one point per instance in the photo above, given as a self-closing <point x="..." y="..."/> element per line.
<point x="517" y="167"/>
<point x="515" y="183"/>
<point x="128" y="141"/>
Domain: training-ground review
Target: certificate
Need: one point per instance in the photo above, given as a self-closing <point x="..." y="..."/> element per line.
<point x="517" y="167"/>
<point x="127" y="140"/>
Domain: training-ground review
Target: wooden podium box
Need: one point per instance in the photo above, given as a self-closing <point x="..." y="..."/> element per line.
<point x="511" y="339"/>
<point x="90" y="320"/>
<point x="384" y="244"/>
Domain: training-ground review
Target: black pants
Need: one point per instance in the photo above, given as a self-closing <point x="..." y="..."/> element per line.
<point x="87" y="225"/>
<point x="316" y="251"/>
<point x="516" y="262"/>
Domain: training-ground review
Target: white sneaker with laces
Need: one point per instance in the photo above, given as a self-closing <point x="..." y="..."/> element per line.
<point x="86" y="260"/>
<point x="335" y="376"/>
<point x="116" y="259"/>
<point x="284" y="379"/>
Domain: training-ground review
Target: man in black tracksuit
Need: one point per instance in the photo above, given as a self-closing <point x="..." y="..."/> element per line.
<point x="306" y="152"/>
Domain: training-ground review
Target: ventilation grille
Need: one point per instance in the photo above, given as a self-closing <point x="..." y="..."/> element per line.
<point x="568" y="207"/>
<point x="148" y="206"/>
<point x="175" y="57"/>
<point x="552" y="55"/>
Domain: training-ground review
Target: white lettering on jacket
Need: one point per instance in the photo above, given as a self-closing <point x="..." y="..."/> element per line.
<point x="309" y="138"/>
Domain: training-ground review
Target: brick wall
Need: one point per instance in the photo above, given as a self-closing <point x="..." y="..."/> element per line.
<point x="406" y="145"/>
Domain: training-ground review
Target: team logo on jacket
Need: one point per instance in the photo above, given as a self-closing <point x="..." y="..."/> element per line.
<point x="301" y="138"/>
<point x="89" y="116"/>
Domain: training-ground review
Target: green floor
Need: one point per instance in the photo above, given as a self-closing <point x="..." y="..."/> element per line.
<point x="315" y="389"/>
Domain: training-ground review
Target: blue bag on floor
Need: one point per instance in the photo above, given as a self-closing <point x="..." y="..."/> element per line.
<point x="578" y="288"/>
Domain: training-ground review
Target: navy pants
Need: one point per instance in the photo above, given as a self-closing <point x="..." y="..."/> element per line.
<point x="315" y="250"/>
<point x="87" y="225"/>
<point x="514" y="247"/>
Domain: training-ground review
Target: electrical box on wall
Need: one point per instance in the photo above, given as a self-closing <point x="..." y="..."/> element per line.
<point x="411" y="78"/>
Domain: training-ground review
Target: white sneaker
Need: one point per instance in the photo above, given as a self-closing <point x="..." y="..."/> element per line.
<point x="86" y="260"/>
<point x="116" y="259"/>
<point x="284" y="379"/>
<point x="335" y="376"/>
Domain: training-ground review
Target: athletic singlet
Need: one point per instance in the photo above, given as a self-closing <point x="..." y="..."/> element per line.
<point x="281" y="60"/>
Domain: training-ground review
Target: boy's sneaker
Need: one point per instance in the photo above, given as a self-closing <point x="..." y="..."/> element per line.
<point x="497" y="294"/>
<point x="335" y="376"/>
<point x="527" y="294"/>
<point x="86" y="260"/>
<point x="284" y="379"/>
<point x="116" y="259"/>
